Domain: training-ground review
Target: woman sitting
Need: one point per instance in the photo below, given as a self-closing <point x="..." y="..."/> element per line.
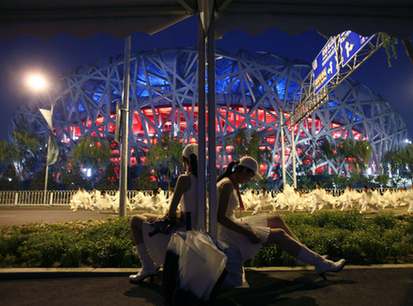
<point x="250" y="234"/>
<point x="152" y="239"/>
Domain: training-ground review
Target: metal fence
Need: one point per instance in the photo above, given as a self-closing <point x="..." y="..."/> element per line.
<point x="63" y="197"/>
<point x="42" y="198"/>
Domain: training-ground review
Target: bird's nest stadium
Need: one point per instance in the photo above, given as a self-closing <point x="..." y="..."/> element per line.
<point x="251" y="90"/>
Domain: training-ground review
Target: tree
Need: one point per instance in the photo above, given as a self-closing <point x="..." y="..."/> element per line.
<point x="91" y="153"/>
<point x="8" y="180"/>
<point x="109" y="180"/>
<point x="247" y="143"/>
<point x="382" y="179"/>
<point x="400" y="161"/>
<point x="355" y="152"/>
<point x="27" y="152"/>
<point x="327" y="149"/>
<point x="144" y="182"/>
<point x="165" y="158"/>
<point x="7" y="154"/>
<point x="26" y="142"/>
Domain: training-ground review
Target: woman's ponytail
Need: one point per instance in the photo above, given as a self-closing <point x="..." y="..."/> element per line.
<point x="228" y="170"/>
<point x="193" y="161"/>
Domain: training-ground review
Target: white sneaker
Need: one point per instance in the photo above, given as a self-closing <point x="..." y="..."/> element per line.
<point x="142" y="275"/>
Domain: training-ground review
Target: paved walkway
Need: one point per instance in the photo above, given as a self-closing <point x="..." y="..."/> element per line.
<point x="27" y="215"/>
<point x="351" y="287"/>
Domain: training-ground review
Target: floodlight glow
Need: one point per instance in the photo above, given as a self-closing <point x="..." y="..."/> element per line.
<point x="36" y="82"/>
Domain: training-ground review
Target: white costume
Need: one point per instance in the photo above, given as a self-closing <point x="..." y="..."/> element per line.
<point x="157" y="244"/>
<point x="258" y="224"/>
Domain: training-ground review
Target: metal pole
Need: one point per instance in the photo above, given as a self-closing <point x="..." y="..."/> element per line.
<point x="46" y="176"/>
<point x="124" y="148"/>
<point x="212" y="170"/>
<point x="282" y="149"/>
<point x="201" y="127"/>
<point x="293" y="156"/>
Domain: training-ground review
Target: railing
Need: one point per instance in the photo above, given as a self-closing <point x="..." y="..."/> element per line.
<point x="63" y="197"/>
<point x="41" y="198"/>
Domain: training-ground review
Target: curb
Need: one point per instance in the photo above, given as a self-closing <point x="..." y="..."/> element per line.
<point x="347" y="267"/>
<point x="26" y="273"/>
<point x="30" y="273"/>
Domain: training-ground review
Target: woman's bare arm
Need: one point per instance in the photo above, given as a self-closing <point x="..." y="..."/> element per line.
<point x="182" y="185"/>
<point x="225" y="194"/>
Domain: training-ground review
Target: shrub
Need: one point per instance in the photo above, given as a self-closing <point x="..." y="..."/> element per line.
<point x="360" y="239"/>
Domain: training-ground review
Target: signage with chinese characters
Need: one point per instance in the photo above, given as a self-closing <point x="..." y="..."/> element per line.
<point x="350" y="43"/>
<point x="325" y="65"/>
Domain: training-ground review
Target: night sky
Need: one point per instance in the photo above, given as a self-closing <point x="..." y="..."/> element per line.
<point x="61" y="54"/>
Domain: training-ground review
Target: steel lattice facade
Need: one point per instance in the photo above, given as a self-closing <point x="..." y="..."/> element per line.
<point x="251" y="89"/>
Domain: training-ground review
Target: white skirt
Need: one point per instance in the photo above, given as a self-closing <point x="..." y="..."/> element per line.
<point x="156" y="244"/>
<point x="248" y="250"/>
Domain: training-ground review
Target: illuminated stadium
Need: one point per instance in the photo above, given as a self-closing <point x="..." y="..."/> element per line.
<point x="250" y="91"/>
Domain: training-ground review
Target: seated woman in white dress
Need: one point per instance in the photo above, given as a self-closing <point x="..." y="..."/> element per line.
<point x="250" y="234"/>
<point x="151" y="246"/>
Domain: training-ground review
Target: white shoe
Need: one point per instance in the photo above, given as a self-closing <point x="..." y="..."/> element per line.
<point x="142" y="275"/>
<point x="329" y="266"/>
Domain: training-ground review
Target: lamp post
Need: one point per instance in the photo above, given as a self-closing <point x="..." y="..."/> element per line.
<point x="37" y="83"/>
<point x="284" y="172"/>
<point x="124" y="130"/>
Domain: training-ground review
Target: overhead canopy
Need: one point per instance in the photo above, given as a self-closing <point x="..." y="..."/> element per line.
<point x="329" y="17"/>
<point x="122" y="17"/>
<point x="88" y="17"/>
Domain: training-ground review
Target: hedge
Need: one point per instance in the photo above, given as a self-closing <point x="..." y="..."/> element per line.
<point x="361" y="239"/>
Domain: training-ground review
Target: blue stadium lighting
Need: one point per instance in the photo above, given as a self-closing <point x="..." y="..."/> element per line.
<point x="251" y="88"/>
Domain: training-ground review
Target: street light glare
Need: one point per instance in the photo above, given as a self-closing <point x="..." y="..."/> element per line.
<point x="36" y="82"/>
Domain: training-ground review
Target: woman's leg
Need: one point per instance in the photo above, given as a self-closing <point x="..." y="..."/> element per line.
<point x="276" y="222"/>
<point x="136" y="226"/>
<point x="303" y="253"/>
<point x="148" y="266"/>
<point x="281" y="238"/>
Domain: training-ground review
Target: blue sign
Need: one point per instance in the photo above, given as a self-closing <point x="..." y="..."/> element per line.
<point x="350" y="44"/>
<point x="325" y="65"/>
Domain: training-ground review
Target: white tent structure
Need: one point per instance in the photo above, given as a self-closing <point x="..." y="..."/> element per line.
<point x="123" y="17"/>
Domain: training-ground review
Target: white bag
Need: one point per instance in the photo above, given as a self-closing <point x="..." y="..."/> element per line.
<point x="201" y="263"/>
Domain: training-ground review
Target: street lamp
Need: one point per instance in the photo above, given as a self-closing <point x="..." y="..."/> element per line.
<point x="38" y="83"/>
